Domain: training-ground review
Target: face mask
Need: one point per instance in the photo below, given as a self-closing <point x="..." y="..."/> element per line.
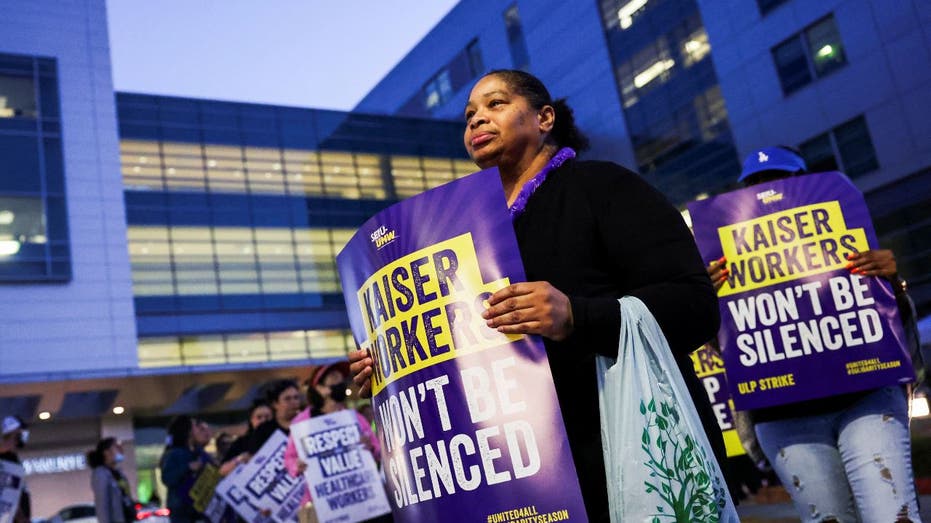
<point x="119" y="457"/>
<point x="338" y="392"/>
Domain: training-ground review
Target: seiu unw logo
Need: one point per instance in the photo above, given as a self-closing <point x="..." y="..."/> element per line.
<point x="383" y="236"/>
<point x="769" y="196"/>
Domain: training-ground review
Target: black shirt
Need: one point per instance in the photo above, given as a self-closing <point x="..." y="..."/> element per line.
<point x="260" y="435"/>
<point x="597" y="232"/>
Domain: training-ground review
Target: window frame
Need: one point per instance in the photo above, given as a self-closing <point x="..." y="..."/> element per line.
<point x="47" y="257"/>
<point x="801" y="38"/>
<point x="836" y="151"/>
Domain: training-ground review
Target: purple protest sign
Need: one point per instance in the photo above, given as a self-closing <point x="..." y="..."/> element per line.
<point x="795" y="323"/>
<point x="471" y="425"/>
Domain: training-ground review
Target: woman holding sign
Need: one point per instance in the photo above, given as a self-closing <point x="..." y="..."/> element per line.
<point x="326" y="393"/>
<point x="589" y="233"/>
<point x="844" y="457"/>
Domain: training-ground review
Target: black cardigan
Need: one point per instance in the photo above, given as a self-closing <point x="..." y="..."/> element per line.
<point x="597" y="232"/>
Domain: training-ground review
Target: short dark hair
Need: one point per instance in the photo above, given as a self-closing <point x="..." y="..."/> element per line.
<point x="95" y="456"/>
<point x="275" y="388"/>
<point x="179" y="430"/>
<point x="565" y="132"/>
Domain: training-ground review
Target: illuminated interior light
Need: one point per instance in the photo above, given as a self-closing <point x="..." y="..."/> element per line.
<point x="118" y="410"/>
<point x="6" y="217"/>
<point x="650" y="73"/>
<point x="919" y="407"/>
<point x="38" y="238"/>
<point x="626" y="13"/>
<point x="44" y="415"/>
<point x="276" y="166"/>
<point x="143" y="159"/>
<point x="825" y="51"/>
<point x="171" y="170"/>
<point x="692" y="46"/>
<point x="9" y="247"/>
<point x="211" y="163"/>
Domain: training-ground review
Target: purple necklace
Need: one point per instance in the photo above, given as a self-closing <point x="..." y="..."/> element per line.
<point x="520" y="203"/>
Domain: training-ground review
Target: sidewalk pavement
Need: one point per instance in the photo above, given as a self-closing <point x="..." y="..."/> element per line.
<point x="784" y="512"/>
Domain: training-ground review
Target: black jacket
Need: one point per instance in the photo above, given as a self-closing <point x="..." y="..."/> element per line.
<point x="597" y="232"/>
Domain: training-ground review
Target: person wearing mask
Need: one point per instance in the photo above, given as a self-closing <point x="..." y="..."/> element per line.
<point x="112" y="498"/>
<point x="182" y="461"/>
<point x="237" y="454"/>
<point x="14" y="436"/>
<point x="326" y="393"/>
<point x="589" y="233"/>
<point x="284" y="396"/>
<point x="847" y="457"/>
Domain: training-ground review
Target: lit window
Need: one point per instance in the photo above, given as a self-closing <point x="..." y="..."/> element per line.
<point x="810" y="54"/>
<point x="695" y="48"/>
<point x="648" y="68"/>
<point x="825" y="46"/>
<point x="652" y="72"/>
<point x="626" y="13"/>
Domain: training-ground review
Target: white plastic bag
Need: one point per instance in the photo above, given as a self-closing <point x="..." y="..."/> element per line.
<point x="659" y="463"/>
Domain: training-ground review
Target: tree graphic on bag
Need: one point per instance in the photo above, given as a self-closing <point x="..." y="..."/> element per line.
<point x="679" y="470"/>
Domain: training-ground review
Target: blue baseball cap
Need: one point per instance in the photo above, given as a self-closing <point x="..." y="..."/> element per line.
<point x="771" y="159"/>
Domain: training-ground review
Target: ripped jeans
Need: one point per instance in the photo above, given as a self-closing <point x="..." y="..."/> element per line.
<point x="850" y="465"/>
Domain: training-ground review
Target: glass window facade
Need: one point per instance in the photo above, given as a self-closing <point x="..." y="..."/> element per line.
<point x="187" y="260"/>
<point x="901" y="213"/>
<point x="236" y="213"/>
<point x="668" y="89"/>
<point x="34" y="243"/>
<point x="254" y="347"/>
<point x="438" y="90"/>
<point x="621" y="14"/>
<point x="812" y="53"/>
<point x="474" y="53"/>
<point x="520" y="57"/>
<point x="847" y="147"/>
<point x="445" y="83"/>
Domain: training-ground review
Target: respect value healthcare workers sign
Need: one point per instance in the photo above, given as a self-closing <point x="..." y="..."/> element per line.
<point x="341" y="473"/>
<point x="795" y="323"/>
<point x="471" y="423"/>
<point x="262" y="490"/>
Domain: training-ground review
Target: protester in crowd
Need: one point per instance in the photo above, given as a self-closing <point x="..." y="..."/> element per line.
<point x="845" y="457"/>
<point x="222" y="442"/>
<point x="589" y="233"/>
<point x="284" y="396"/>
<point x="182" y="461"/>
<point x="259" y="413"/>
<point x="326" y="394"/>
<point x="112" y="496"/>
<point x="14" y="436"/>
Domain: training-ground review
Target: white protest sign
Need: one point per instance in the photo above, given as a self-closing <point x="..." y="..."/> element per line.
<point x="262" y="490"/>
<point x="341" y="473"/>
<point x="11" y="486"/>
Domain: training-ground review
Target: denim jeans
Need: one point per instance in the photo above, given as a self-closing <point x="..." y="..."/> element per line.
<point x="849" y="465"/>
